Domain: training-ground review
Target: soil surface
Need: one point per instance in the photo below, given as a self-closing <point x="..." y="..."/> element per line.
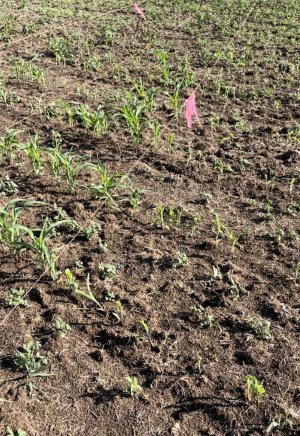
<point x="199" y="237"/>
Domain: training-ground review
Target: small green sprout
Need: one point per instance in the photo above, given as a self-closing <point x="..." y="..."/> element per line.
<point x="118" y="314"/>
<point x="203" y="319"/>
<point x="133" y="385"/>
<point x="17" y="432"/>
<point x="62" y="328"/>
<point x="16" y="297"/>
<point x="260" y="328"/>
<point x="107" y="271"/>
<point x="29" y="359"/>
<point x="254" y="389"/>
<point x="181" y="260"/>
<point x="285" y="421"/>
<point x="147" y="331"/>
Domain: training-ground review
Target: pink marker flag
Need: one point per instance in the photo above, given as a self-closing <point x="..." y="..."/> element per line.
<point x="191" y="110"/>
<point x="138" y="10"/>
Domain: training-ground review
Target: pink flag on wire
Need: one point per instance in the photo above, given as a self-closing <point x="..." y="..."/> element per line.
<point x="138" y="10"/>
<point x="191" y="110"/>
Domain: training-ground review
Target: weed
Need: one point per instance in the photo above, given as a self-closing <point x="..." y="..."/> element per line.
<point x="260" y="328"/>
<point x="107" y="271"/>
<point x="285" y="421"/>
<point x="181" y="260"/>
<point x="17" y="432"/>
<point x="29" y="360"/>
<point x="16" y="297"/>
<point x="203" y="319"/>
<point x="8" y="186"/>
<point x="62" y="328"/>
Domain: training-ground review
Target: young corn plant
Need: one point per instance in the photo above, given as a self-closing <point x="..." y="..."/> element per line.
<point x="33" y="151"/>
<point x="254" y="389"/>
<point x="174" y="99"/>
<point x="133" y="114"/>
<point x="146" y="329"/>
<point x="8" y="143"/>
<point x="96" y="121"/>
<point x="168" y="217"/>
<point x="40" y="246"/>
<point x="119" y="312"/>
<point x="12" y="233"/>
<point x="74" y="285"/>
<point x="165" y="69"/>
<point x="108" y="185"/>
<point x="133" y="386"/>
<point x="155" y="128"/>
<point x="66" y="166"/>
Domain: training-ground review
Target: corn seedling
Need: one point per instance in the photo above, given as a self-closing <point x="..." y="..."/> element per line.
<point x="32" y="149"/>
<point x="133" y="386"/>
<point x="133" y="113"/>
<point x="174" y="99"/>
<point x="73" y="285"/>
<point x="119" y="313"/>
<point x="254" y="389"/>
<point x="8" y="143"/>
<point x="26" y="70"/>
<point x="108" y="185"/>
<point x="170" y="217"/>
<point x="165" y="69"/>
<point x="147" y="331"/>
<point x="155" y="128"/>
<point x="40" y="246"/>
<point x="200" y="365"/>
<point x="11" y="231"/>
<point x="96" y="121"/>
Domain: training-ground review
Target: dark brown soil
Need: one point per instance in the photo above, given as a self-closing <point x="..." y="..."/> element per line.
<point x="242" y="162"/>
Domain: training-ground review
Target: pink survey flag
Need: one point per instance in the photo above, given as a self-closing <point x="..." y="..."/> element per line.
<point x="191" y="110"/>
<point x="138" y="10"/>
